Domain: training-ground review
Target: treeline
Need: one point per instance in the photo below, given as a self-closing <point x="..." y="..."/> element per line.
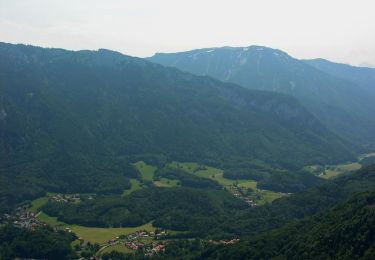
<point x="42" y="243"/>
<point x="299" y="205"/>
<point x="275" y="179"/>
<point x="344" y="232"/>
<point x="180" y="208"/>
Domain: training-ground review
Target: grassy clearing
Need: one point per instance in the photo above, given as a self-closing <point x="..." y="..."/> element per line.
<point x="264" y="196"/>
<point x="216" y="175"/>
<point x="213" y="174"/>
<point x="50" y="220"/>
<point x="247" y="184"/>
<point x="333" y="171"/>
<point x="102" y="235"/>
<point x="38" y="203"/>
<point x="268" y="196"/>
<point x="203" y="171"/>
<point x="164" y="182"/>
<point x="135" y="185"/>
<point x="118" y="248"/>
<point x="147" y="171"/>
<point x="92" y="234"/>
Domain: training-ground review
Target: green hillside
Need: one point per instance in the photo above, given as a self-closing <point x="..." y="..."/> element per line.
<point x="76" y="121"/>
<point x="344" y="232"/>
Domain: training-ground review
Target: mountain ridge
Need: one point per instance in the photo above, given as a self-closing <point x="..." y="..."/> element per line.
<point x="337" y="102"/>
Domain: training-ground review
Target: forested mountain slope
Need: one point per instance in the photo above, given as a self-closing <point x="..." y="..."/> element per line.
<point x="71" y="121"/>
<point x="362" y="76"/>
<point x="341" y="104"/>
<point x="344" y="232"/>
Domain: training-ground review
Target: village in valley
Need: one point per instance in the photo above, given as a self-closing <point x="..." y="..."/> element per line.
<point x="149" y="242"/>
<point x="145" y="239"/>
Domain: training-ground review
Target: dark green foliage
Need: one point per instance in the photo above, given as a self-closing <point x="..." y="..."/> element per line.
<point x="73" y="121"/>
<point x="43" y="243"/>
<point x="114" y="255"/>
<point x="287" y="181"/>
<point x="337" y="100"/>
<point x="344" y="232"/>
<point x="180" y="208"/>
<point x="184" y="249"/>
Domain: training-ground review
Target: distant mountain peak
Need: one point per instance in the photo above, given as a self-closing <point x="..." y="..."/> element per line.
<point x="335" y="99"/>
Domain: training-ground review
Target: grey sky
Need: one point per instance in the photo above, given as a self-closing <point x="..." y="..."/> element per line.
<point x="339" y="30"/>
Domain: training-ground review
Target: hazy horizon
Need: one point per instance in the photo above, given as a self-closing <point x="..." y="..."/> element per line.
<point x="340" y="31"/>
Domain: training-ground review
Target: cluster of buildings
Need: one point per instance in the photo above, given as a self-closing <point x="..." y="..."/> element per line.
<point x="138" y="240"/>
<point x="248" y="199"/>
<point x="144" y="234"/>
<point x="72" y="198"/>
<point x="135" y="245"/>
<point x="21" y="218"/>
<point x="154" y="248"/>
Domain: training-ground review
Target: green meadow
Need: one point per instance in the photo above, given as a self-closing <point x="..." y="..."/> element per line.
<point x="93" y="234"/>
<point x="147" y="171"/>
<point x="37" y="203"/>
<point x="135" y="185"/>
<point x="265" y="196"/>
<point x="102" y="235"/>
